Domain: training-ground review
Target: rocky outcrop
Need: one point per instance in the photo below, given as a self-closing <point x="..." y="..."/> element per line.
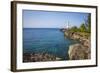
<point x="79" y="52"/>
<point x="76" y="35"/>
<point x="37" y="57"/>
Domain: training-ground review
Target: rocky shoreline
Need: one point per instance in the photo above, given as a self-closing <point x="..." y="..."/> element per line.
<point x="38" y="57"/>
<point x="78" y="51"/>
<point x="81" y="50"/>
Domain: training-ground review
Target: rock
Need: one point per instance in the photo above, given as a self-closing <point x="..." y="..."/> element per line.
<point x="78" y="52"/>
<point x="81" y="50"/>
<point x="57" y="58"/>
<point x="37" y="57"/>
<point x="76" y="35"/>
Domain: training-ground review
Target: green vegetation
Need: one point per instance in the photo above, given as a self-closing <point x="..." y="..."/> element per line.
<point x="82" y="28"/>
<point x="89" y="23"/>
<point x="85" y="27"/>
<point x="82" y="49"/>
<point x="74" y="29"/>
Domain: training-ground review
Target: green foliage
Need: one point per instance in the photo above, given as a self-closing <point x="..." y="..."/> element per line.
<point x="89" y="23"/>
<point x="82" y="28"/>
<point x="85" y="27"/>
<point x="74" y="29"/>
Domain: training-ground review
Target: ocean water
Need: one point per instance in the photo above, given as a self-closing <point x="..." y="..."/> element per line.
<point x="48" y="40"/>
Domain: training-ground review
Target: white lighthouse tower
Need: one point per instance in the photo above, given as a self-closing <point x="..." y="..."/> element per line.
<point x="67" y="27"/>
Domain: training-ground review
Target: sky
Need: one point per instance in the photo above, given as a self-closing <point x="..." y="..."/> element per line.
<point x="52" y="19"/>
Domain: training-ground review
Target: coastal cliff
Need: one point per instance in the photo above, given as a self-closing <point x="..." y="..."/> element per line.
<point x="76" y="35"/>
<point x="79" y="50"/>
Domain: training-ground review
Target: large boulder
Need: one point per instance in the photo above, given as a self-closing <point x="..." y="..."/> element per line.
<point x="78" y="52"/>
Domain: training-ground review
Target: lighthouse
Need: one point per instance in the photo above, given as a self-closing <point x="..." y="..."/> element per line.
<point x="67" y="27"/>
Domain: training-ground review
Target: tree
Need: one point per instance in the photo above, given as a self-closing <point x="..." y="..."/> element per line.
<point x="89" y="23"/>
<point x="74" y="29"/>
<point x="82" y="28"/>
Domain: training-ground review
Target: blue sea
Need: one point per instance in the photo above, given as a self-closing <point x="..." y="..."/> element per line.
<point x="48" y="40"/>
